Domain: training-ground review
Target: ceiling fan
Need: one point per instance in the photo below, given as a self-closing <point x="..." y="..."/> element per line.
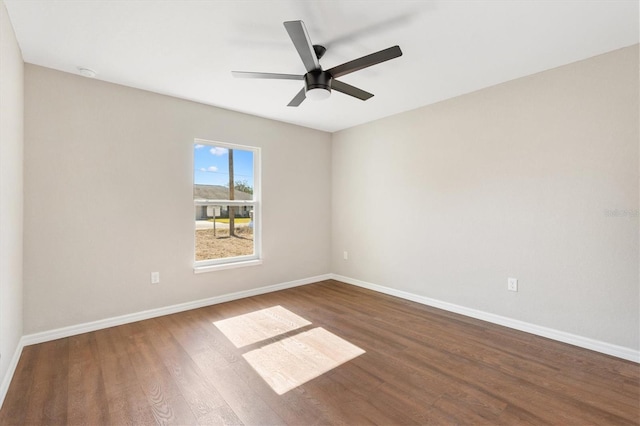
<point x="318" y="83"/>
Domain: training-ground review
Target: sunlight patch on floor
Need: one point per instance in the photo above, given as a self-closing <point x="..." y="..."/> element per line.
<point x="260" y="325"/>
<point x="290" y="362"/>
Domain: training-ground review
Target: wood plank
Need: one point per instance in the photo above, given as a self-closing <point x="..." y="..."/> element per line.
<point x="46" y="402"/>
<point x="129" y="406"/>
<point x="86" y="385"/>
<point x="214" y="365"/>
<point x="201" y="396"/>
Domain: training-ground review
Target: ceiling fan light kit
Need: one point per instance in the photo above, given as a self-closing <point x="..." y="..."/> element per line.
<point x="318" y="83"/>
<point x="318" y="94"/>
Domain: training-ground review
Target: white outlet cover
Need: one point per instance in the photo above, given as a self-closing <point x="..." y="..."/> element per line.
<point x="512" y="284"/>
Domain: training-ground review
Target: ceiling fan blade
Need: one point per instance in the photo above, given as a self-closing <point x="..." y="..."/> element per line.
<point x="246" y="74"/>
<point x="350" y="90"/>
<point x="365" y="61"/>
<point x="297" y="99"/>
<point x="300" y="38"/>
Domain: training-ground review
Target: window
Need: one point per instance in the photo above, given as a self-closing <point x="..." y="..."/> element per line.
<point x="226" y="198"/>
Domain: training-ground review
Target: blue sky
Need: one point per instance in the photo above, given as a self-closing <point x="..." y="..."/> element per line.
<point x="211" y="165"/>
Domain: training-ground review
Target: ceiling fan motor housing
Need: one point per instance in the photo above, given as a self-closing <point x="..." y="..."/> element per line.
<point x="318" y="79"/>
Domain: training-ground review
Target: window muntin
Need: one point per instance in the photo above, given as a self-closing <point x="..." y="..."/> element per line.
<point x="218" y="168"/>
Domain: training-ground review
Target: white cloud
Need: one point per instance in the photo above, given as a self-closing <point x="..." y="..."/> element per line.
<point x="218" y="151"/>
<point x="209" y="169"/>
<point x="199" y="146"/>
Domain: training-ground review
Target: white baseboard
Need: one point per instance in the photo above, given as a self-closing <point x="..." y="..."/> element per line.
<point x="6" y="381"/>
<point x="561" y="336"/>
<point x="73" y="330"/>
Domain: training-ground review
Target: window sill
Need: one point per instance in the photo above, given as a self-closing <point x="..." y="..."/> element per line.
<point x="221" y="266"/>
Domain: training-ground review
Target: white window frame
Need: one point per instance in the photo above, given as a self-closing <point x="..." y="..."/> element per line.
<point x="208" y="265"/>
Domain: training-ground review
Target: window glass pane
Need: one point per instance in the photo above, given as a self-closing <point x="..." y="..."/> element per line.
<point x="213" y="239"/>
<point x="216" y="167"/>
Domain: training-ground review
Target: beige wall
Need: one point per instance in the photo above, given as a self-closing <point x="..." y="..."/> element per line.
<point x="535" y="179"/>
<point x="108" y="199"/>
<point x="11" y="198"/>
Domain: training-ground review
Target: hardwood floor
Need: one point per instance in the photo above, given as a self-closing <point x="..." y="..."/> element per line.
<point x="421" y="366"/>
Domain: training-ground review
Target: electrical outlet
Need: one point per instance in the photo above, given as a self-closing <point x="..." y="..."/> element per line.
<point x="345" y="255"/>
<point x="155" y="277"/>
<point x="512" y="284"/>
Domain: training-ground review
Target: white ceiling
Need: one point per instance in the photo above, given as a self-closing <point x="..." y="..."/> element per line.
<point x="188" y="49"/>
